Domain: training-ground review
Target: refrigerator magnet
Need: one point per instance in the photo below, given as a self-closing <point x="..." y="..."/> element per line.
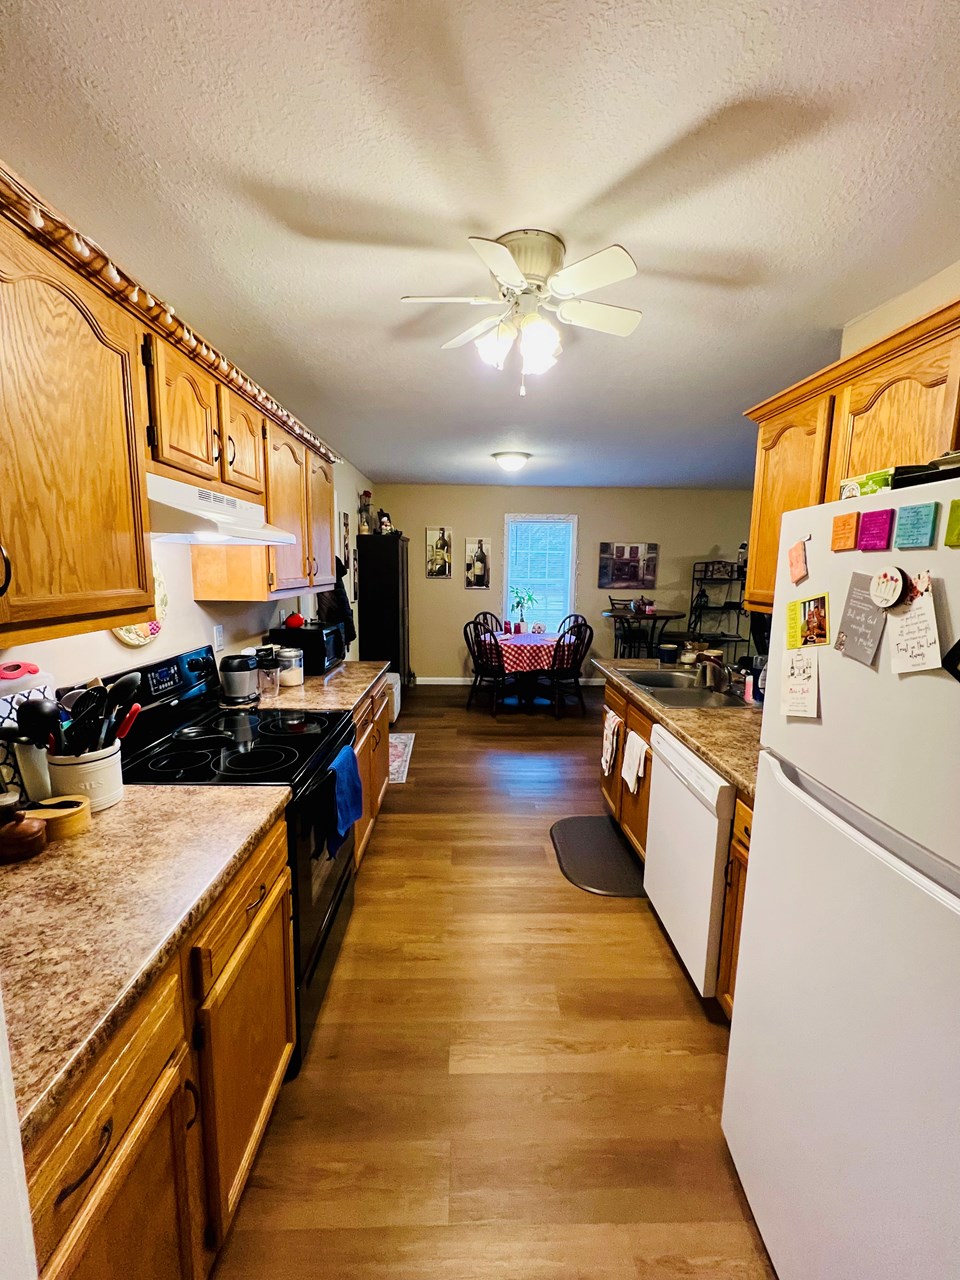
<point x="861" y="623"/>
<point x="952" y="537"/>
<point x="845" y="530"/>
<point x="808" y="622"/>
<point x="917" y="526"/>
<point x="912" y="624"/>
<point x="797" y="557"/>
<point x="875" y="530"/>
<point x="887" y="586"/>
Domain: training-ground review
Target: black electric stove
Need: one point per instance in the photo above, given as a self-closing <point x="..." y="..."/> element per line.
<point x="185" y="736"/>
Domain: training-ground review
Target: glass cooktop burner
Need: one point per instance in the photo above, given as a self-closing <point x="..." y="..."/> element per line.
<point x="179" y="763"/>
<point x="257" y="760"/>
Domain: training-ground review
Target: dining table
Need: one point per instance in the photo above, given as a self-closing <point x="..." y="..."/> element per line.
<point x="635" y="624"/>
<point x="530" y="652"/>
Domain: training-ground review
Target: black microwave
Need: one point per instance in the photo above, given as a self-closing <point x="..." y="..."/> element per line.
<point x="322" y="644"/>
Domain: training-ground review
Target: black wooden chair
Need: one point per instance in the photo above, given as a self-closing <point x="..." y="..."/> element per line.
<point x="569" y="621"/>
<point x="487" y="658"/>
<point x="628" y="638"/>
<point x="621" y="602"/>
<point x="566" y="668"/>
<point x="489" y="620"/>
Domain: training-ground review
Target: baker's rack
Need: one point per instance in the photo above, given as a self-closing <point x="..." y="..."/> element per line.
<point x="717" y="616"/>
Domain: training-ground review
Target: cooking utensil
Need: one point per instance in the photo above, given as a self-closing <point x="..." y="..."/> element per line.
<point x="68" y="699"/>
<point x="127" y="722"/>
<point x="84" y="731"/>
<point x="120" y="696"/>
<point x="39" y="719"/>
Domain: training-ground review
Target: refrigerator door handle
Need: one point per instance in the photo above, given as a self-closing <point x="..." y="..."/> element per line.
<point x="897" y="851"/>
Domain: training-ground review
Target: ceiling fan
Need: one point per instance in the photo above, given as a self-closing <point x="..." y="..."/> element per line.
<point x="527" y="268"/>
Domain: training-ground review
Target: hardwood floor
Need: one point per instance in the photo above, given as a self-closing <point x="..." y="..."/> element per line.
<point x="511" y="1078"/>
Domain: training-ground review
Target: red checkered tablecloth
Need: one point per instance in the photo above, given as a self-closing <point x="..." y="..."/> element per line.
<point x="527" y="652"/>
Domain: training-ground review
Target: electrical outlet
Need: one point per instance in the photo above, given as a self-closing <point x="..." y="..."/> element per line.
<point x="218" y="637"/>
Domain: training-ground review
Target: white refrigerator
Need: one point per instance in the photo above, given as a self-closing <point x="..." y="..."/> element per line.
<point x="842" y="1099"/>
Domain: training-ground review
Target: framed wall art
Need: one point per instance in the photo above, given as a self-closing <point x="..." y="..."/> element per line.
<point x="628" y="565"/>
<point x="477" y="564"/>
<point x="439" y="559"/>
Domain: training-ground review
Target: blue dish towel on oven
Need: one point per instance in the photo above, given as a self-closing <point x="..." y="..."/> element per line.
<point x="349" y="792"/>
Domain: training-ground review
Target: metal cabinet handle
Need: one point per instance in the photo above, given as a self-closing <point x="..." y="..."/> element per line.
<point x="255" y="906"/>
<point x="232" y="459"/>
<point x="7" y="570"/>
<point x="218" y="450"/>
<point x="194" y="1093"/>
<point x="106" y="1133"/>
<point x="746" y="831"/>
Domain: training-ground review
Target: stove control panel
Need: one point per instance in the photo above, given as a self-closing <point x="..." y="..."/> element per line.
<point x="161" y="680"/>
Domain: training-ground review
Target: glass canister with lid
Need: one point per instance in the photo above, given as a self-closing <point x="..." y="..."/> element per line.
<point x="291" y="666"/>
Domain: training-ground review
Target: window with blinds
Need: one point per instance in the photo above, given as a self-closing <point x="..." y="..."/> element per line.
<point x="541" y="556"/>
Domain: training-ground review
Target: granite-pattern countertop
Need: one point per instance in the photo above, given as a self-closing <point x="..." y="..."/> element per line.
<point x="728" y="739"/>
<point x="341" y="690"/>
<point x="86" y="926"/>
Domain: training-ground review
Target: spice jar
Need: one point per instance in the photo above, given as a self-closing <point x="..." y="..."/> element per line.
<point x="291" y="666"/>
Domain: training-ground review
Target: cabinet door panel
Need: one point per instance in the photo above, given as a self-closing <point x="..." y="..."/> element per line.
<point x="791" y="458"/>
<point x="901" y="412"/>
<point x="185" y="413"/>
<point x="248" y="1036"/>
<point x="635" y="805"/>
<point x="364" y="750"/>
<point x="242" y="457"/>
<point x="72" y="513"/>
<point x="287" y="507"/>
<point x="140" y="1203"/>
<point x="321" y="522"/>
<point x="611" y="785"/>
<point x="732" y="920"/>
<point x="381" y="752"/>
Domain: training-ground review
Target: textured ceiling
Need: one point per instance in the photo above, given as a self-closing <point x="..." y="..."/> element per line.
<point x="283" y="172"/>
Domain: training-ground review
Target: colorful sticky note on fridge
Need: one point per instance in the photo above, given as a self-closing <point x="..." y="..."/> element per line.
<point x="916" y="525"/>
<point x="800" y="683"/>
<point x="797" y="556"/>
<point x="845" y="530"/>
<point x="914" y="638"/>
<point x="952" y="537"/>
<point x="808" y="622"/>
<point x="875" y="527"/>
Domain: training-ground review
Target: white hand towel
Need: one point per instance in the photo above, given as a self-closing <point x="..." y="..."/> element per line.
<point x="634" y="760"/>
<point x="611" y="731"/>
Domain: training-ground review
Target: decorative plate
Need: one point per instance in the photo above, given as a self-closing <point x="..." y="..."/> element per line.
<point x="142" y="633"/>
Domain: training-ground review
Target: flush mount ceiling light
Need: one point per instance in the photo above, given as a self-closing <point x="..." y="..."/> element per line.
<point x="512" y="461"/>
<point x="528" y="271"/>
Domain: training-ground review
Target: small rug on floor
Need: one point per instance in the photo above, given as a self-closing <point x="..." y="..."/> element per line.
<point x="401" y="745"/>
<point x="594" y="856"/>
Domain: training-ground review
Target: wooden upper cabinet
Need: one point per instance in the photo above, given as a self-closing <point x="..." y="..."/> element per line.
<point x="287" y="481"/>
<point x="322" y="570"/>
<point x="242" y="457"/>
<point x="186" y="421"/>
<point x="73" y="506"/>
<point x="791" y="460"/>
<point x="900" y="411"/>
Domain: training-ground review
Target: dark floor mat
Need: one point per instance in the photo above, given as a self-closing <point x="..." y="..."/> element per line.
<point x="594" y="856"/>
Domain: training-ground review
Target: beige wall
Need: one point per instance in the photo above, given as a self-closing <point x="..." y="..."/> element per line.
<point x="689" y="525"/>
<point x="188" y="624"/>
<point x="929" y="295"/>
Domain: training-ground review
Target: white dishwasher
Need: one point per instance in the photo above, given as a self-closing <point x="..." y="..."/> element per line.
<point x="688" y="840"/>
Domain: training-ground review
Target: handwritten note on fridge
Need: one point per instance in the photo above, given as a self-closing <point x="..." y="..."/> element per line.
<point x="875" y="529"/>
<point x="916" y="525"/>
<point x="862" y="623"/>
<point x="914" y="640"/>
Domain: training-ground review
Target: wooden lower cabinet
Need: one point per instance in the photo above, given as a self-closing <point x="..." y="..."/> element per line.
<point x="246" y="1021"/>
<point x="372" y="719"/>
<point x="381" y="750"/>
<point x="611" y="784"/>
<point x="141" y="1170"/>
<point x="736" y="883"/>
<point x="635" y="805"/>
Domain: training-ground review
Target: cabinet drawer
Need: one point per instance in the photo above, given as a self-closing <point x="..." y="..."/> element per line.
<point x="66" y="1165"/>
<point x="615" y="701"/>
<point x="237" y="909"/>
<point x="742" y="822"/>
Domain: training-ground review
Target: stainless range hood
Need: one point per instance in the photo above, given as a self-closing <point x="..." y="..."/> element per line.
<point x="181" y="512"/>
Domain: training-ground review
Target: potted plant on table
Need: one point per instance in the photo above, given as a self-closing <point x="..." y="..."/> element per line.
<point x="523" y="598"/>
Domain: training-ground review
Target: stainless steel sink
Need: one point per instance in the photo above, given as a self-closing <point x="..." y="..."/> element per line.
<point x="679" y="689"/>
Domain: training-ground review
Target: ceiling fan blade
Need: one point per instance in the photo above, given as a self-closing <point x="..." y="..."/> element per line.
<point x="620" y="321"/>
<point x="606" y="267"/>
<point x="498" y="260"/>
<point x="475" y="331"/>
<point x="469" y="302"/>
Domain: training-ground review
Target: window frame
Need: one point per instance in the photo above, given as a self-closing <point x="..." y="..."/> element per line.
<point x="541" y="517"/>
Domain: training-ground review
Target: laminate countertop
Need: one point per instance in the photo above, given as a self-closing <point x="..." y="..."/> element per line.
<point x="86" y="926"/>
<point x="341" y="690"/>
<point x="727" y="738"/>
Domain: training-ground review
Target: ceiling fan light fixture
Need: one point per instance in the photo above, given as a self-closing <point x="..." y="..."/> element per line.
<point x="512" y="461"/>
<point x="494" y="347"/>
<point x="539" y="343"/>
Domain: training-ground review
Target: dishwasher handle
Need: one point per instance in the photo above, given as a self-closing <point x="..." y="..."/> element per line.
<point x="714" y="792"/>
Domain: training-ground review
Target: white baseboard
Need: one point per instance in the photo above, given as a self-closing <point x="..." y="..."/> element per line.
<point x="466" y="680"/>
